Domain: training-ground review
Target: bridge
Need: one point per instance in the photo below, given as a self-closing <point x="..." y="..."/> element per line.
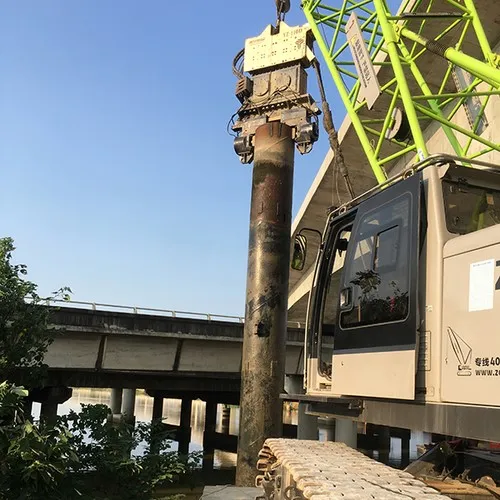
<point x="172" y="354"/>
<point x="101" y="345"/>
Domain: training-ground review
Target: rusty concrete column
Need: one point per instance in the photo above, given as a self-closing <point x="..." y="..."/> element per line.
<point x="262" y="372"/>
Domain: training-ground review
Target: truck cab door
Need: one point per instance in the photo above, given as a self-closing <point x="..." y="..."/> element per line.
<point x="376" y="335"/>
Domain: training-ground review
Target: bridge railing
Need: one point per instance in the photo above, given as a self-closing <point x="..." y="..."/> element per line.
<point x="96" y="306"/>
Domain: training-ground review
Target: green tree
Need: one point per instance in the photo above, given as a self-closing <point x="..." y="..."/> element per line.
<point x="34" y="461"/>
<point x="24" y="332"/>
<point x="83" y="456"/>
<point x="112" y="464"/>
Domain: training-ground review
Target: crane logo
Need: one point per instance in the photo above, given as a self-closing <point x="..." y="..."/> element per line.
<point x="463" y="353"/>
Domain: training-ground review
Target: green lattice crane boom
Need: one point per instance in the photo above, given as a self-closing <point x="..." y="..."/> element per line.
<point x="413" y="87"/>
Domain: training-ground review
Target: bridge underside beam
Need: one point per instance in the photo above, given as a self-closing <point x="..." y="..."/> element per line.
<point x="172" y="385"/>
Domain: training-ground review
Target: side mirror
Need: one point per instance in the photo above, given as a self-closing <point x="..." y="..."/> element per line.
<point x="299" y="252"/>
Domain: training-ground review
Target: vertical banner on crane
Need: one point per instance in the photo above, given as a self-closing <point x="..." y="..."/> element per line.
<point x="366" y="71"/>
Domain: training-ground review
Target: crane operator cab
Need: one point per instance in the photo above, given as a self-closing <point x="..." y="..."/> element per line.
<point x="405" y="300"/>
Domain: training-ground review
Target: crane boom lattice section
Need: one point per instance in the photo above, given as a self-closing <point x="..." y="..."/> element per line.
<point x="401" y="76"/>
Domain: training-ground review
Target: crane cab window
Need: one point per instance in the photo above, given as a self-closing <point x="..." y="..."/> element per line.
<point x="376" y="282"/>
<point x="385" y="254"/>
<point x="469" y="208"/>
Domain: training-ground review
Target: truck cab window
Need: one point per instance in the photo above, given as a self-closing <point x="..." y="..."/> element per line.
<point x="376" y="283"/>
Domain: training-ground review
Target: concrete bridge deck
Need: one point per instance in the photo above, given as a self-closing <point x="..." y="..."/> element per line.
<point x="162" y="352"/>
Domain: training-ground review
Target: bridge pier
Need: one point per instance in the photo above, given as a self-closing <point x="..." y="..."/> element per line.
<point x="48" y="412"/>
<point x="184" y="433"/>
<point x="128" y="405"/>
<point x="116" y="400"/>
<point x="225" y="419"/>
<point x="156" y="423"/>
<point x="405" y="448"/>
<point x="307" y="425"/>
<point x="404" y="436"/>
<point x="28" y="408"/>
<point x="327" y="425"/>
<point x="346" y="431"/>
<point x="157" y="408"/>
<point x="384" y="443"/>
<point x="50" y="397"/>
<point x="209" y="435"/>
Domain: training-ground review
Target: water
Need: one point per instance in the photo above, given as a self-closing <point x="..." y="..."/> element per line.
<point x="171" y="415"/>
<point x="416" y="438"/>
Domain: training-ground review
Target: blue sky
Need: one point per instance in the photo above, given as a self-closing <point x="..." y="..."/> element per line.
<point x="118" y="177"/>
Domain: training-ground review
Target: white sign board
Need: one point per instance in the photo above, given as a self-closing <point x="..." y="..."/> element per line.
<point x="481" y="285"/>
<point x="366" y="71"/>
<point x="268" y="49"/>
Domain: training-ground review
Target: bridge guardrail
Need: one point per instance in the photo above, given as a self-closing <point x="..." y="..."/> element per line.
<point x="96" y="306"/>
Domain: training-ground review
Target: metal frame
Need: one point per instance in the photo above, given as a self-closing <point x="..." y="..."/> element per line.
<point x="392" y="45"/>
<point x="438" y="159"/>
<point x="473" y="422"/>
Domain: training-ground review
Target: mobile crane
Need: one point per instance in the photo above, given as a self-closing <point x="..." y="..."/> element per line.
<point x="402" y="312"/>
<point x="406" y="276"/>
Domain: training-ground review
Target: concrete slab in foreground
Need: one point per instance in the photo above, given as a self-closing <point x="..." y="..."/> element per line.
<point x="230" y="493"/>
